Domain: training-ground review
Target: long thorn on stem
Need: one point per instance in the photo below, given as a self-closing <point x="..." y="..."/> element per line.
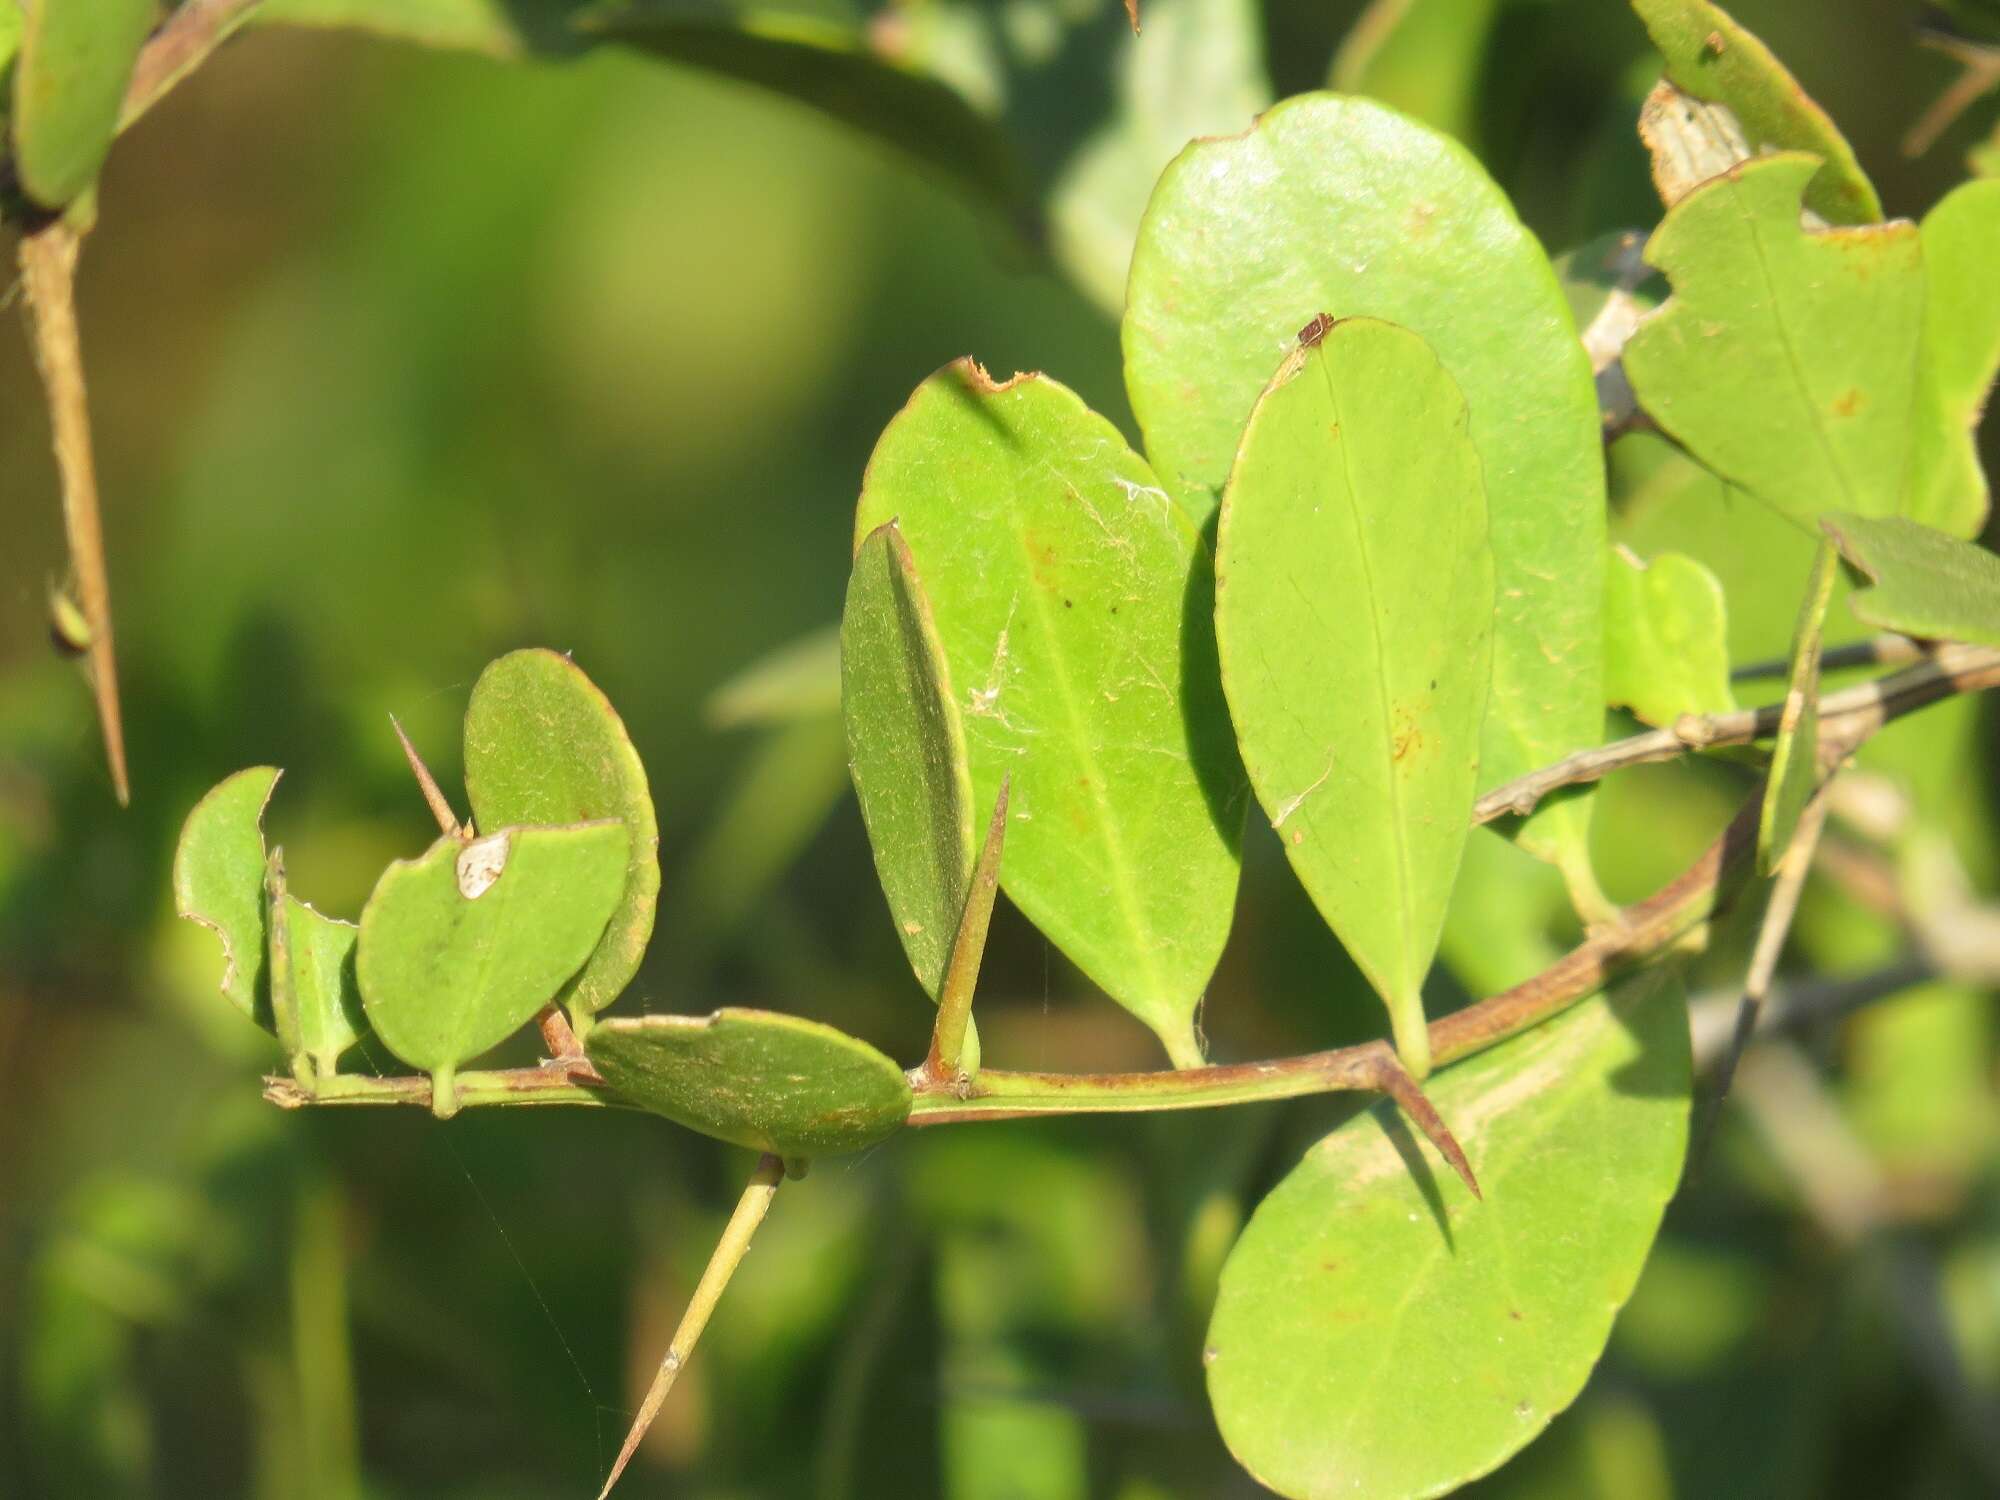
<point x="1409" y="1097"/>
<point x="440" y="809"/>
<point x="961" y="975"/>
<point x="48" y="272"/>
<point x="729" y="1253"/>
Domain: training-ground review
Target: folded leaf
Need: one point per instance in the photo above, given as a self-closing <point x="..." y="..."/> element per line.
<point x="544" y="745"/>
<point x="1340" y="206"/>
<point x="906" y="751"/>
<point x="461" y="946"/>
<point x="1712" y="56"/>
<point x="1927" y="584"/>
<point x="756" y="1078"/>
<point x="1073" y="598"/>
<point x="315" y="998"/>
<point x="1378" y="1332"/>
<point x="1354" y="609"/>
<point x="1786" y="358"/>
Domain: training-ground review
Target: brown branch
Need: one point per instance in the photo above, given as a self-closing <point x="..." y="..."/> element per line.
<point x="1857" y="711"/>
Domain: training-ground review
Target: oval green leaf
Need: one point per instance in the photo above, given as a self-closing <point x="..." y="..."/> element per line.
<point x="445" y="974"/>
<point x="219" y="882"/>
<point x="1712" y="56"/>
<point x="1073" y="598"/>
<point x="1795" y="758"/>
<point x="69" y="82"/>
<point x="544" y="745"/>
<point x="1927" y="584"/>
<point x="1786" y="359"/>
<point x="1354" y="609"/>
<point x="1666" y="637"/>
<point x="906" y="751"/>
<point x="755" y="1078"/>
<point x="1380" y="1333"/>
<point x="1340" y="206"/>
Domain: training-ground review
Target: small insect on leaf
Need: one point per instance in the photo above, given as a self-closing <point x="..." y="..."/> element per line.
<point x="1317" y="329"/>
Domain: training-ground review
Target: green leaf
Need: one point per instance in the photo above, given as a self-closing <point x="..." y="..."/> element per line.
<point x="1354" y="609"/>
<point x="1340" y="206"/>
<point x="544" y="745"/>
<point x="1381" y="1333"/>
<point x="1961" y="356"/>
<point x="906" y="751"/>
<point x="453" y="959"/>
<point x="1422" y="57"/>
<point x="1786" y="359"/>
<point x="219" y="882"/>
<point x="76" y="58"/>
<point x="1074" y="601"/>
<point x="314" y="994"/>
<point x="756" y="1078"/>
<point x="1666" y="637"/>
<point x="1198" y="70"/>
<point x="1795" y="758"/>
<point x="1927" y="584"/>
<point x="1712" y="56"/>
<point x="798" y="680"/>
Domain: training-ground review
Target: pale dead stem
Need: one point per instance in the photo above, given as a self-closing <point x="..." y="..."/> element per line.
<point x="48" y="276"/>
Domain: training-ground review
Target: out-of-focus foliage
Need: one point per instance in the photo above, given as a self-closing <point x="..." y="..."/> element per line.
<point x="401" y="359"/>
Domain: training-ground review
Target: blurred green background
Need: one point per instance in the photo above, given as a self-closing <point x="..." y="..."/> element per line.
<point x="400" y="359"/>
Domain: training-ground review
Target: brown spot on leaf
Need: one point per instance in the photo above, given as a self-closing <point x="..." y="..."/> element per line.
<point x="1317" y="329"/>
<point x="1849" y="402"/>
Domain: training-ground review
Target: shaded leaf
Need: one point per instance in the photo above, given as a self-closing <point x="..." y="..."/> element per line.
<point x="1666" y="637"/>
<point x="755" y="1078"/>
<point x="1422" y="57"/>
<point x="1795" y="757"/>
<point x="906" y="751"/>
<point x="1073" y="598"/>
<point x="1961" y="355"/>
<point x="787" y="784"/>
<point x="1198" y="70"/>
<point x="1379" y="1332"/>
<point x="219" y="882"/>
<point x="1927" y="584"/>
<point x="822" y="55"/>
<point x="1786" y="359"/>
<point x="1340" y="206"/>
<point x="1712" y="56"/>
<point x="76" y="57"/>
<point x="446" y="975"/>
<point x="797" y="680"/>
<point x="544" y="745"/>
<point x="1354" y="607"/>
